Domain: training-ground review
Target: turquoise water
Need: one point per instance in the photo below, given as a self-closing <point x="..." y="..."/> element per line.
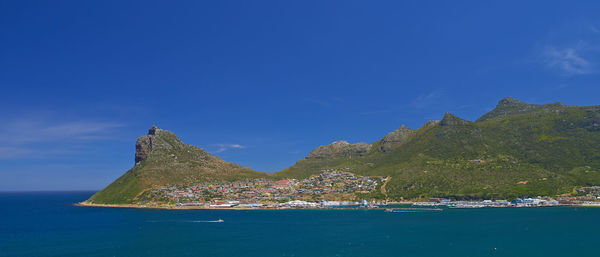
<point x="45" y="224"/>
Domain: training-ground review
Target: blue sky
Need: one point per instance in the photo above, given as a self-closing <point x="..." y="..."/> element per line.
<point x="261" y="83"/>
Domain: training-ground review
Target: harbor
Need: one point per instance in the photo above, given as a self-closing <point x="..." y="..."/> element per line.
<point x="515" y="203"/>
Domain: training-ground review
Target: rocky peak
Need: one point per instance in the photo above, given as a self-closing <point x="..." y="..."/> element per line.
<point x="452" y="120"/>
<point x="509" y="106"/>
<point x="559" y="104"/>
<point x="399" y="133"/>
<point x="339" y="144"/>
<point x="153" y="130"/>
<point x="510" y="101"/>
<point x="395" y="137"/>
<point x="156" y="139"/>
<point x="339" y="149"/>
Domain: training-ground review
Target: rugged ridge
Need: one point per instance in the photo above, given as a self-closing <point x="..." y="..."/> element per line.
<point x="517" y="149"/>
<point x="509" y="106"/>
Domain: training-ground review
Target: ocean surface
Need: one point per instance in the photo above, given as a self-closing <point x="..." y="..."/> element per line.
<point x="47" y="224"/>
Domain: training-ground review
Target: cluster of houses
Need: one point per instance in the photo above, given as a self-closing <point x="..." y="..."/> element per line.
<point x="337" y="182"/>
<point x="265" y="192"/>
<point x="591" y="193"/>
<point x="295" y="204"/>
<point x="246" y="191"/>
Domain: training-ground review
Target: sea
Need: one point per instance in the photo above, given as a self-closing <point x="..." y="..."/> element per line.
<point x="48" y="224"/>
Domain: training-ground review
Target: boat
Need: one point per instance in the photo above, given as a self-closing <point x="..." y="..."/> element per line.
<point x="220" y="220"/>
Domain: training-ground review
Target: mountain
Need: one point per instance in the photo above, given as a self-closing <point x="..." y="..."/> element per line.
<point x="510" y="106"/>
<point x="161" y="159"/>
<point x="514" y="150"/>
<point x="517" y="149"/>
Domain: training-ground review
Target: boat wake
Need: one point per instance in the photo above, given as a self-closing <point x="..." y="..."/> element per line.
<point x="186" y="221"/>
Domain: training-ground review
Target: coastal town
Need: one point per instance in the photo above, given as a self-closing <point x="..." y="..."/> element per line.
<point x="328" y="188"/>
<point x="586" y="196"/>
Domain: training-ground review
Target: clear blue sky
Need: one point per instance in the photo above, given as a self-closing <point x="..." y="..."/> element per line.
<point x="261" y="83"/>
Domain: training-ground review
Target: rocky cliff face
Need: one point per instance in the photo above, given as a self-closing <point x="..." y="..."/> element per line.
<point x="156" y="139"/>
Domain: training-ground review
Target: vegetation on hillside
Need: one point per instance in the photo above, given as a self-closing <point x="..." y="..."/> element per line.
<point x="515" y="150"/>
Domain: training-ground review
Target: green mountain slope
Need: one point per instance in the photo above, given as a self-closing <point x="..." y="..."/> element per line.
<point x="161" y="159"/>
<point x="516" y="149"/>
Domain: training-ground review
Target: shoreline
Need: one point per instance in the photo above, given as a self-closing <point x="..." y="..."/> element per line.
<point x="134" y="206"/>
